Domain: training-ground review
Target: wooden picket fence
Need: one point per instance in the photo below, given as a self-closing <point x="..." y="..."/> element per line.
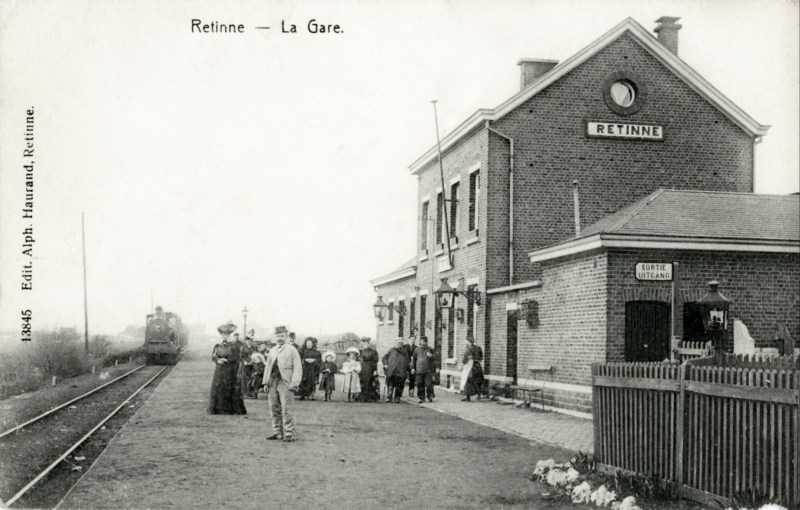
<point x="693" y="350"/>
<point x="716" y="426"/>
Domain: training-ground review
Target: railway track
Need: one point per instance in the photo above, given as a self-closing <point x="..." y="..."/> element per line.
<point x="59" y="433"/>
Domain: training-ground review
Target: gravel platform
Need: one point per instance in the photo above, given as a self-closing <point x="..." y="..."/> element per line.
<point x="172" y="454"/>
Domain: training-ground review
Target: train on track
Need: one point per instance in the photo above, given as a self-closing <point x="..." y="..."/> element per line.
<point x="165" y="338"/>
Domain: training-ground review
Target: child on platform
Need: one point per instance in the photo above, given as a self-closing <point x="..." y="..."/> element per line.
<point x="327" y="378"/>
<point x="352" y="370"/>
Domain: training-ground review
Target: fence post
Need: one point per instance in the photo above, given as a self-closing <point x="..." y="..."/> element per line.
<point x="54" y="380"/>
<point x="116" y="362"/>
<point x="680" y="425"/>
<point x="598" y="453"/>
<point x="797" y="431"/>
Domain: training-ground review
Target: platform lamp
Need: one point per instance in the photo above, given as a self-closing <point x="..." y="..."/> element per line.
<point x="445" y="295"/>
<point x="244" y="314"/>
<point x="715" y="308"/>
<point x="380" y="307"/>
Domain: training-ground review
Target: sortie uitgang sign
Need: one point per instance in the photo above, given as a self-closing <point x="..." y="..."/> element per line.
<point x="654" y="271"/>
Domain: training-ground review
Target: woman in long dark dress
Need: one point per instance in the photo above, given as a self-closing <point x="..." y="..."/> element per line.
<point x="226" y="389"/>
<point x="312" y="360"/>
<point x="472" y="373"/>
<point x="369" y="372"/>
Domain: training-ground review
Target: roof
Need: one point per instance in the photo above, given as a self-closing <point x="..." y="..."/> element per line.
<point x="675" y="219"/>
<point x="639" y="34"/>
<point x="409" y="268"/>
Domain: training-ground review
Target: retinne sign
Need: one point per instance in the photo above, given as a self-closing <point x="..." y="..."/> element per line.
<point x="617" y="130"/>
<point x="654" y="271"/>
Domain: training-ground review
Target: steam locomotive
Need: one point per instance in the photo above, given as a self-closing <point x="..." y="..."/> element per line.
<point x="165" y="338"/>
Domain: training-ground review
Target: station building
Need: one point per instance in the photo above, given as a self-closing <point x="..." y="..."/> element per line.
<point x="569" y="204"/>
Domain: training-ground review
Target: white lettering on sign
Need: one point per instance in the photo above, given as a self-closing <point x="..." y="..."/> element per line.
<point x="613" y="130"/>
<point x="654" y="271"/>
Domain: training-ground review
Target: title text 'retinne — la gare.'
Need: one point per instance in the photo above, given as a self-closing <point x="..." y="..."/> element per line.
<point x="313" y="26"/>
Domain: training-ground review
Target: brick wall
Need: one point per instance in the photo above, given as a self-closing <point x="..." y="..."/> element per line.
<point x="764" y="288"/>
<point x="702" y="149"/>
<point x="571" y="330"/>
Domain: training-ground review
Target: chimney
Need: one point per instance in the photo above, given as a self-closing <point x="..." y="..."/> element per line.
<point x="667" y="32"/>
<point x="576" y="203"/>
<point x="531" y="69"/>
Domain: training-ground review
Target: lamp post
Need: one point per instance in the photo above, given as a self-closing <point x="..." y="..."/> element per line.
<point x="244" y="314"/>
<point x="715" y="308"/>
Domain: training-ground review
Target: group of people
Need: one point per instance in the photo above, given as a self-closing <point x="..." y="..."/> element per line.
<point x="287" y="369"/>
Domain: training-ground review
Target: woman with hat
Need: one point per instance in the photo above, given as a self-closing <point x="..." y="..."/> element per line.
<point x="351" y="369"/>
<point x="311" y="364"/>
<point x="226" y="390"/>
<point x="369" y="372"/>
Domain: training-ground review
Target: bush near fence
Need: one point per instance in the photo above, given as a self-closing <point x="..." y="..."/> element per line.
<point x="717" y="426"/>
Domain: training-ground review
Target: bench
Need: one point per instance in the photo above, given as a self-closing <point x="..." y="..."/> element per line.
<point x="527" y="393"/>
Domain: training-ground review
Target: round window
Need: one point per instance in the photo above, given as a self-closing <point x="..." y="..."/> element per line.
<point x="623" y="93"/>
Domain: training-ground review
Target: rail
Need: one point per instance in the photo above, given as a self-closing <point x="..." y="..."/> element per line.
<point x="78" y="443"/>
<point x="51" y="411"/>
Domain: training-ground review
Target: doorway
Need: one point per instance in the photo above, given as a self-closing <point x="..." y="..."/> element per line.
<point x="647" y="327"/>
<point x="511" y="345"/>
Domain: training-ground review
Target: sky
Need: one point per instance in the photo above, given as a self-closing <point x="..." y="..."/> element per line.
<point x="269" y="170"/>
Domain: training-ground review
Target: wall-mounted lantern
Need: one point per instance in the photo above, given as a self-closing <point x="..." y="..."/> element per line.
<point x="380" y="307"/>
<point x="445" y="295"/>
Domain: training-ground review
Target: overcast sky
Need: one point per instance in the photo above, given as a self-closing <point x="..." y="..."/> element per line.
<point x="270" y="170"/>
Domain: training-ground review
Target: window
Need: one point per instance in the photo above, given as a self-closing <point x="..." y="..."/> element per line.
<point x="400" y="321"/>
<point x="439" y="215"/>
<point x="391" y="311"/>
<point x="454" y="210"/>
<point x="474" y="196"/>
<point x="623" y="93"/>
<point x="423" y="301"/>
<point x="412" y="314"/>
<point x="425" y="225"/>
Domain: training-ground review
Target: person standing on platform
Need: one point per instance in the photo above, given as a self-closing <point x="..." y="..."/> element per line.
<point x="395" y="366"/>
<point x="423" y="367"/>
<point x="471" y="371"/>
<point x="226" y="392"/>
<point x="369" y="372"/>
<point x="246" y="364"/>
<point x="311" y="365"/>
<point x="293" y="341"/>
<point x="328" y="371"/>
<point x="351" y="370"/>
<point x="411" y="347"/>
<point x="282" y="373"/>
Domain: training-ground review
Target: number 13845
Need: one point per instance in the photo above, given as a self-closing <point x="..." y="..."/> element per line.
<point x="27" y="315"/>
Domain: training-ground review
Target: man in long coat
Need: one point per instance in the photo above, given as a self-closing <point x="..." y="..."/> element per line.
<point x="282" y="375"/>
<point x="395" y="366"/>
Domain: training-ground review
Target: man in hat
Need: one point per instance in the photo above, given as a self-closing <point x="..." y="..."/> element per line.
<point x="423" y="365"/>
<point x="395" y="366"/>
<point x="282" y="374"/>
<point x="411" y="347"/>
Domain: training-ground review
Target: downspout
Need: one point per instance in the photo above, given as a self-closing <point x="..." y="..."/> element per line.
<point x="510" y="203"/>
